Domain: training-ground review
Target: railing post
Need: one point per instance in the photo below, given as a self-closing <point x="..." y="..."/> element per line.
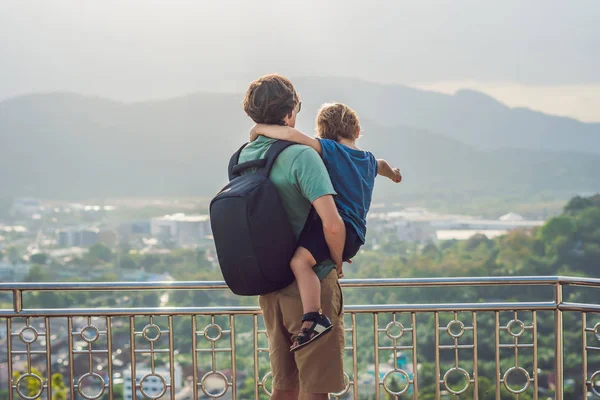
<point x="17" y="301"/>
<point x="558" y="341"/>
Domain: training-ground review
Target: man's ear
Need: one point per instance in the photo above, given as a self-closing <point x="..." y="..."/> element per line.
<point x="287" y="118"/>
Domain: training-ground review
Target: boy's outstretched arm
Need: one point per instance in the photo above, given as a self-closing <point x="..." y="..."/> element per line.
<point x="384" y="169"/>
<point x="281" y="132"/>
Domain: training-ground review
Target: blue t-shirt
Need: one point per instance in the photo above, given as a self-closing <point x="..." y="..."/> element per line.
<point x="353" y="174"/>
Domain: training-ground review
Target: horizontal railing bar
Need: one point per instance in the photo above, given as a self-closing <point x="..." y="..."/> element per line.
<point x="376" y="308"/>
<point x="397" y="347"/>
<point x="93" y="312"/>
<point x="458" y="281"/>
<point x="88" y="351"/>
<point x="218" y="350"/>
<point x="566" y="306"/>
<point x="458" y="346"/>
<point x="25" y="352"/>
<point x="348" y="283"/>
<point x="518" y="346"/>
<point x="508" y="306"/>
<point x="149" y="351"/>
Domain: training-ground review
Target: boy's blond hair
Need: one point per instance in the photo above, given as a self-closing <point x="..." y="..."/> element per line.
<point x="337" y="121"/>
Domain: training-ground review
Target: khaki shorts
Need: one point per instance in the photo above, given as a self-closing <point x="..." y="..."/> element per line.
<point x="317" y="368"/>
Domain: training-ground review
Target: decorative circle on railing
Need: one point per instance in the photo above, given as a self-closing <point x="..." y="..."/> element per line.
<point x="392" y="325"/>
<point x="29" y="376"/>
<point x="512" y="370"/>
<point x="400" y="372"/>
<point x="597" y="331"/>
<point x="220" y="376"/>
<point x="592" y="385"/>
<point x="151" y="332"/>
<point x="162" y="382"/>
<point x="452" y="324"/>
<point x="28" y="335"/>
<point x="90" y="333"/>
<point x="346" y="387"/>
<point x="463" y="373"/>
<point x="217" y="336"/>
<point x="518" y="323"/>
<point x="263" y="383"/>
<point x="88" y="380"/>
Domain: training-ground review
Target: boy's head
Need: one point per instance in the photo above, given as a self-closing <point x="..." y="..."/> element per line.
<point x="337" y="121"/>
<point x="272" y="99"/>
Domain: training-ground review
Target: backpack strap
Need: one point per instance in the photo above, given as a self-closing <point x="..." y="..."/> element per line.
<point x="263" y="165"/>
<point x="272" y="154"/>
<point x="233" y="162"/>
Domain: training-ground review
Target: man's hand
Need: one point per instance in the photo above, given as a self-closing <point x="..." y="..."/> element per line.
<point x="396" y="176"/>
<point x="340" y="271"/>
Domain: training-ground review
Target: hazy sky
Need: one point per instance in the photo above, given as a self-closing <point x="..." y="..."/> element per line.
<point x="544" y="54"/>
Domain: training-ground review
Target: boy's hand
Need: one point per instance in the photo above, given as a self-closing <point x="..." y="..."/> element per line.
<point x="396" y="177"/>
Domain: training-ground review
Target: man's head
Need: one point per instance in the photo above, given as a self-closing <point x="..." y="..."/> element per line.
<point x="272" y="99"/>
<point x="337" y="121"/>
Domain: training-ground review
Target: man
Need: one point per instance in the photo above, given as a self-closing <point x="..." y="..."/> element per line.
<point x="302" y="180"/>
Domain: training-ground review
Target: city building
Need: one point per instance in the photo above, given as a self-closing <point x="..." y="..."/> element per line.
<point x="77" y="237"/>
<point x="420" y="225"/>
<point x="10" y="272"/>
<point x="180" y="229"/>
<point x="26" y="206"/>
<point x="133" y="229"/>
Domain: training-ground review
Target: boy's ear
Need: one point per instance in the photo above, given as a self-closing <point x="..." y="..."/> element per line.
<point x="358" y="132"/>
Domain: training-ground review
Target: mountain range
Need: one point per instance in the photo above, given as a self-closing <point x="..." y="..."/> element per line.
<point x="62" y="145"/>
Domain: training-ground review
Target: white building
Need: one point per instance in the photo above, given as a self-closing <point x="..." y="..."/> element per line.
<point x="420" y="225"/>
<point x="13" y="272"/>
<point x="184" y="230"/>
<point x="26" y="206"/>
<point x="462" y="229"/>
<point x="153" y="386"/>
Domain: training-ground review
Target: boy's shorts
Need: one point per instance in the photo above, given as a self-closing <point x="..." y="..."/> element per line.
<point x="312" y="239"/>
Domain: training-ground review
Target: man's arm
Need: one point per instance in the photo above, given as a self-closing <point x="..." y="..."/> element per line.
<point x="281" y="132"/>
<point x="333" y="228"/>
<point x="384" y="169"/>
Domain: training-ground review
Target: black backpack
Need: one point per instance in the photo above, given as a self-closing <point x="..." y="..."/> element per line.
<point x="253" y="236"/>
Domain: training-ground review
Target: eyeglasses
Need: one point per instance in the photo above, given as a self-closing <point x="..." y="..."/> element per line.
<point x="298" y="107"/>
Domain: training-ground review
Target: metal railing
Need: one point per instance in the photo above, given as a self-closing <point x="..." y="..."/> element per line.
<point x="99" y="349"/>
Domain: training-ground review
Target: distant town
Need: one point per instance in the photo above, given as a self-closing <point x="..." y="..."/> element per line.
<point x="38" y="232"/>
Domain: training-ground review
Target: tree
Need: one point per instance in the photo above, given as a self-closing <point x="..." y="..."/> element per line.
<point x="13" y="255"/>
<point x="100" y="252"/>
<point x="36" y="274"/>
<point x="39" y="258"/>
<point x="31" y="387"/>
<point x="579" y="203"/>
<point x="127" y="262"/>
<point x="59" y="390"/>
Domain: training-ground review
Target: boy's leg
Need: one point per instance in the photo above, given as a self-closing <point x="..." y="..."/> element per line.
<point x="310" y="287"/>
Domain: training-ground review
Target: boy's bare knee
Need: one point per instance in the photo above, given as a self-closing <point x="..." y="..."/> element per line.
<point x="299" y="264"/>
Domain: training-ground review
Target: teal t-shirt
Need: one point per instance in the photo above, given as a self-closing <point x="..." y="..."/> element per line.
<point x="300" y="177"/>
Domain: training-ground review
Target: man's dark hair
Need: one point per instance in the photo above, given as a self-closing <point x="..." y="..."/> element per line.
<point x="270" y="99"/>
